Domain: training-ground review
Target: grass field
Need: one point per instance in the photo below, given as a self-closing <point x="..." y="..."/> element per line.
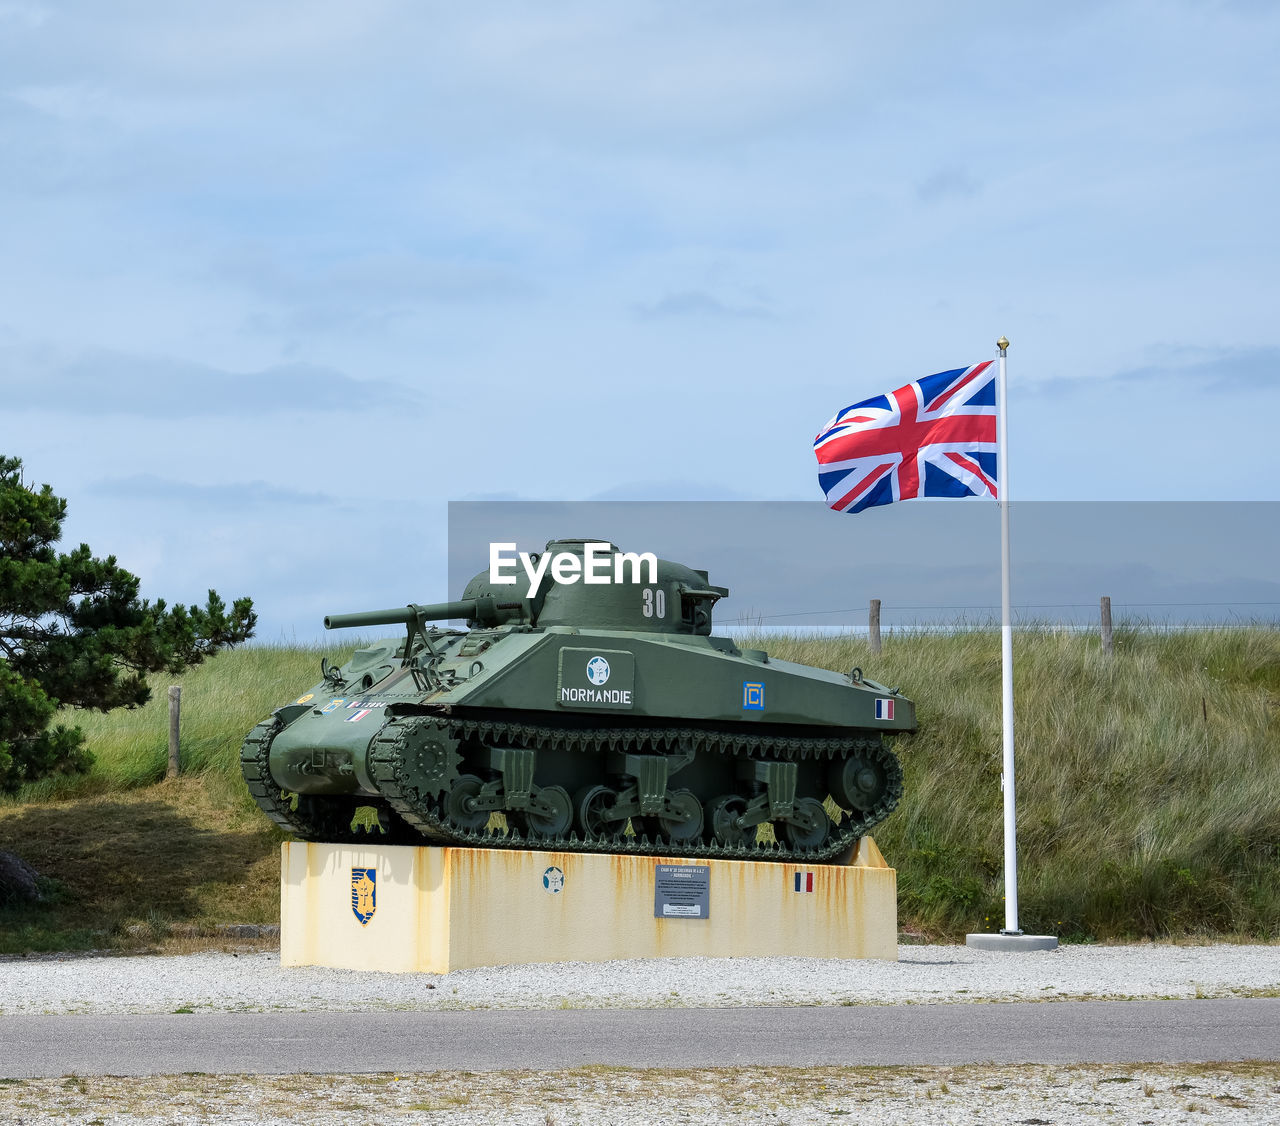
<point x="1148" y="783"/>
<point x="129" y="855"/>
<point x="1148" y="792"/>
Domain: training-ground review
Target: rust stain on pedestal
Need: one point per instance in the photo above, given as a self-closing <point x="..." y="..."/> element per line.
<point x="446" y="908"/>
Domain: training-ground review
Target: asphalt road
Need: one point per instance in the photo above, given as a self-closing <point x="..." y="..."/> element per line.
<point x="287" y="1043"/>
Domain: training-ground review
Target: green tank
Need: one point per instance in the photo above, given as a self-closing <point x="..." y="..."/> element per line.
<point x="590" y="715"/>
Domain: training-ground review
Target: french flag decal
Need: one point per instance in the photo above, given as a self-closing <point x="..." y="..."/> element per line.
<point x="884" y="709"/>
<point x="804" y="881"/>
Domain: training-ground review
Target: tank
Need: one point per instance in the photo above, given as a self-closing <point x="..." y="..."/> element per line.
<point x="580" y="716"/>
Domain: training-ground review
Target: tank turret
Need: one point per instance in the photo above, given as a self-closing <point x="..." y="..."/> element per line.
<point x="588" y="706"/>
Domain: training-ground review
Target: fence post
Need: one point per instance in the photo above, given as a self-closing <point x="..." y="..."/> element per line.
<point x="873" y="625"/>
<point x="1106" y="624"/>
<point x="175" y="704"/>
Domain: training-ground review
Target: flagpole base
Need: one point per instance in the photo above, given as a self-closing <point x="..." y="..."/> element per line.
<point x="1011" y="943"/>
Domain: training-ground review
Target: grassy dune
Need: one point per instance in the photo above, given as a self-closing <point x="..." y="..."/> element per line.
<point x="221" y="700"/>
<point x="1148" y="792"/>
<point x="131" y="859"/>
<point x="1148" y="782"/>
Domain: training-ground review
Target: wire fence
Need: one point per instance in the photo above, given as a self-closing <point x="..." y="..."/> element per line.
<point x="1170" y="616"/>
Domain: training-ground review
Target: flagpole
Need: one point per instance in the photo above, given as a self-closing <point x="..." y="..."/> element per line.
<point x="1006" y="666"/>
<point x="1010" y="937"/>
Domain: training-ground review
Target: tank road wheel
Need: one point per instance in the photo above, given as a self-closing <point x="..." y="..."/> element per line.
<point x="456" y="805"/>
<point x="687" y="826"/>
<point x="554" y="823"/>
<point x="811" y="836"/>
<point x="722" y="813"/>
<point x="858" y="783"/>
<point x="592" y="804"/>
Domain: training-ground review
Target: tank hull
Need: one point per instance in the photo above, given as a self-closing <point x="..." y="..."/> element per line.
<point x="656" y="738"/>
<point x="697" y="681"/>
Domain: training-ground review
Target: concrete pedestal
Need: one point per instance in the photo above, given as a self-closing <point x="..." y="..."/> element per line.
<point x="434" y="909"/>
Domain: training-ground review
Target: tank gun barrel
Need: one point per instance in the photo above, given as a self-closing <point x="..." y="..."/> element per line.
<point x="486" y="611"/>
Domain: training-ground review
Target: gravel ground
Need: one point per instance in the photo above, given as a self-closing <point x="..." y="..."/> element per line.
<point x="1036" y="1095"/>
<point x="1032" y="1095"/>
<point x="922" y="974"/>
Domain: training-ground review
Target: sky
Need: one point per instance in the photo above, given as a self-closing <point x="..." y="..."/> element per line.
<point x="278" y="282"/>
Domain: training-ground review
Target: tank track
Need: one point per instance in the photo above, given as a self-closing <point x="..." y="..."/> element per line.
<point x="312" y="819"/>
<point x="425" y="812"/>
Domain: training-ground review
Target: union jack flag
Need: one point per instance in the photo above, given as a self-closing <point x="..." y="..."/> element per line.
<point x="932" y="438"/>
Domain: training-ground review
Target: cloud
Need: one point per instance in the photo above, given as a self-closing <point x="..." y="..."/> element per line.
<point x="660" y="68"/>
<point x="1213" y="369"/>
<point x="117" y="383"/>
<point x="673" y="489"/>
<point x="32" y="15"/>
<point x="698" y="304"/>
<point x="237" y="496"/>
<point x="499" y="497"/>
<point x="948" y="183"/>
<point x="84" y="103"/>
<point x="1232" y="370"/>
<point x="367" y="291"/>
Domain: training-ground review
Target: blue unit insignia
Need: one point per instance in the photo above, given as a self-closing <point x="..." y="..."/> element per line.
<point x="364" y="893"/>
<point x="752" y="696"/>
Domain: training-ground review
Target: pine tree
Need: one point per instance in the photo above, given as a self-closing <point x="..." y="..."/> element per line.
<point x="73" y="632"/>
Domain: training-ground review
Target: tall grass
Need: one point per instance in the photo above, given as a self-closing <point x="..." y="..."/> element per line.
<point x="1148" y="781"/>
<point x="222" y="699"/>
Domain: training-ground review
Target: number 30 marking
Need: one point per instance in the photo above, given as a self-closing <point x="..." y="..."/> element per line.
<point x="654" y="604"/>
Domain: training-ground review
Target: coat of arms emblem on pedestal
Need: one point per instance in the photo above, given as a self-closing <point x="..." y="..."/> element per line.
<point x="364" y="893"/>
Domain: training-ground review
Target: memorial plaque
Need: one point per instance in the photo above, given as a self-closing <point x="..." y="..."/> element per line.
<point x="681" y="891"/>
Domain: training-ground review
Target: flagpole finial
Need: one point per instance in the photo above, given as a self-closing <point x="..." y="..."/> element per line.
<point x="1002" y="344"/>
